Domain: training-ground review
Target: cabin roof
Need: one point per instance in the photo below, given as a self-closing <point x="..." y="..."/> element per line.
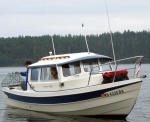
<point x="67" y="58"/>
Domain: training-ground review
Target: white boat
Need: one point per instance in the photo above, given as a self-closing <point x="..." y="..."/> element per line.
<point x="87" y="85"/>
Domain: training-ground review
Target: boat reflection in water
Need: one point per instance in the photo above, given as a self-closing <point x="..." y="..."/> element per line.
<point x="19" y="115"/>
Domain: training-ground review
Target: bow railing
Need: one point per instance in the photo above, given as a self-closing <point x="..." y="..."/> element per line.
<point x="12" y="79"/>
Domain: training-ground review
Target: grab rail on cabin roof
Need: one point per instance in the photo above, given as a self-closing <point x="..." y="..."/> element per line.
<point x="135" y="73"/>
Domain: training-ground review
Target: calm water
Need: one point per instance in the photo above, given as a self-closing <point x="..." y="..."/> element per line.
<point x="140" y="112"/>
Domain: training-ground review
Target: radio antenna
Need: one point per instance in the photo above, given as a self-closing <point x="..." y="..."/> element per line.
<point x="110" y="32"/>
<point x="111" y="41"/>
<point x="53" y="46"/>
<point x="55" y="56"/>
<point x="85" y="39"/>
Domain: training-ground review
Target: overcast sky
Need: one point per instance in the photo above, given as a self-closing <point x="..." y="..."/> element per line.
<point x="42" y="17"/>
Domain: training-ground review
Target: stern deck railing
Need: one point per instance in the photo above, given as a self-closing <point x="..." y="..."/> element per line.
<point x="136" y="67"/>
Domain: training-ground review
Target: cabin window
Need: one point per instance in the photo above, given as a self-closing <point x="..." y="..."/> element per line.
<point x="89" y="64"/>
<point x="106" y="66"/>
<point x="45" y="73"/>
<point x="49" y="73"/>
<point x="71" y="69"/>
<point x="34" y="74"/>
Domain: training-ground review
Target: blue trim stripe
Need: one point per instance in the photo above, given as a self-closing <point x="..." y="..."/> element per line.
<point x="63" y="99"/>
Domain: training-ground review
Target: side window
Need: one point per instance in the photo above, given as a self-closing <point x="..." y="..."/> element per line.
<point x="89" y="64"/>
<point x="95" y="64"/>
<point x="71" y="69"/>
<point x="49" y="73"/>
<point x="34" y="74"/>
<point x="105" y="67"/>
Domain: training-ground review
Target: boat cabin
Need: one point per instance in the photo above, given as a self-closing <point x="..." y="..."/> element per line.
<point x="67" y="71"/>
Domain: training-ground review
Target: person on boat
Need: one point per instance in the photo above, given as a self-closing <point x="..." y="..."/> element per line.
<point x="27" y="63"/>
<point x="54" y="74"/>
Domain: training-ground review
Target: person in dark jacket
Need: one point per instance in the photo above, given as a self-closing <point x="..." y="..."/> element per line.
<point x="27" y="63"/>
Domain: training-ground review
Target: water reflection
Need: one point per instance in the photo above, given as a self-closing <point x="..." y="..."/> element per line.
<point x="20" y="115"/>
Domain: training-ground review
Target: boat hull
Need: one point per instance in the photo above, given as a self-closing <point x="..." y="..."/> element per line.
<point x="115" y="99"/>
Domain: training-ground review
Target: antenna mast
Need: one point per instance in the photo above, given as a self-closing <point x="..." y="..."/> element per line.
<point x="110" y="33"/>
<point x="111" y="41"/>
<point x="53" y="45"/>
<point x="85" y="39"/>
<point x="55" y="56"/>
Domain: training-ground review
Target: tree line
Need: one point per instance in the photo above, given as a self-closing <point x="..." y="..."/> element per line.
<point x="15" y="51"/>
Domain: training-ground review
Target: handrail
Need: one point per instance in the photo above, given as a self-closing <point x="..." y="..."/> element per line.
<point x="139" y="59"/>
<point x="11" y="79"/>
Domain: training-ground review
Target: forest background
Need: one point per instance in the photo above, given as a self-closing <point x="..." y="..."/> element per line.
<point x="14" y="51"/>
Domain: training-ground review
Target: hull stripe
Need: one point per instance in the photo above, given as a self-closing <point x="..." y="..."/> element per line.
<point x="64" y="99"/>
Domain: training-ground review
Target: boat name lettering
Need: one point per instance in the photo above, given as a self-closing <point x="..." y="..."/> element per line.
<point x="47" y="86"/>
<point x="112" y="93"/>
